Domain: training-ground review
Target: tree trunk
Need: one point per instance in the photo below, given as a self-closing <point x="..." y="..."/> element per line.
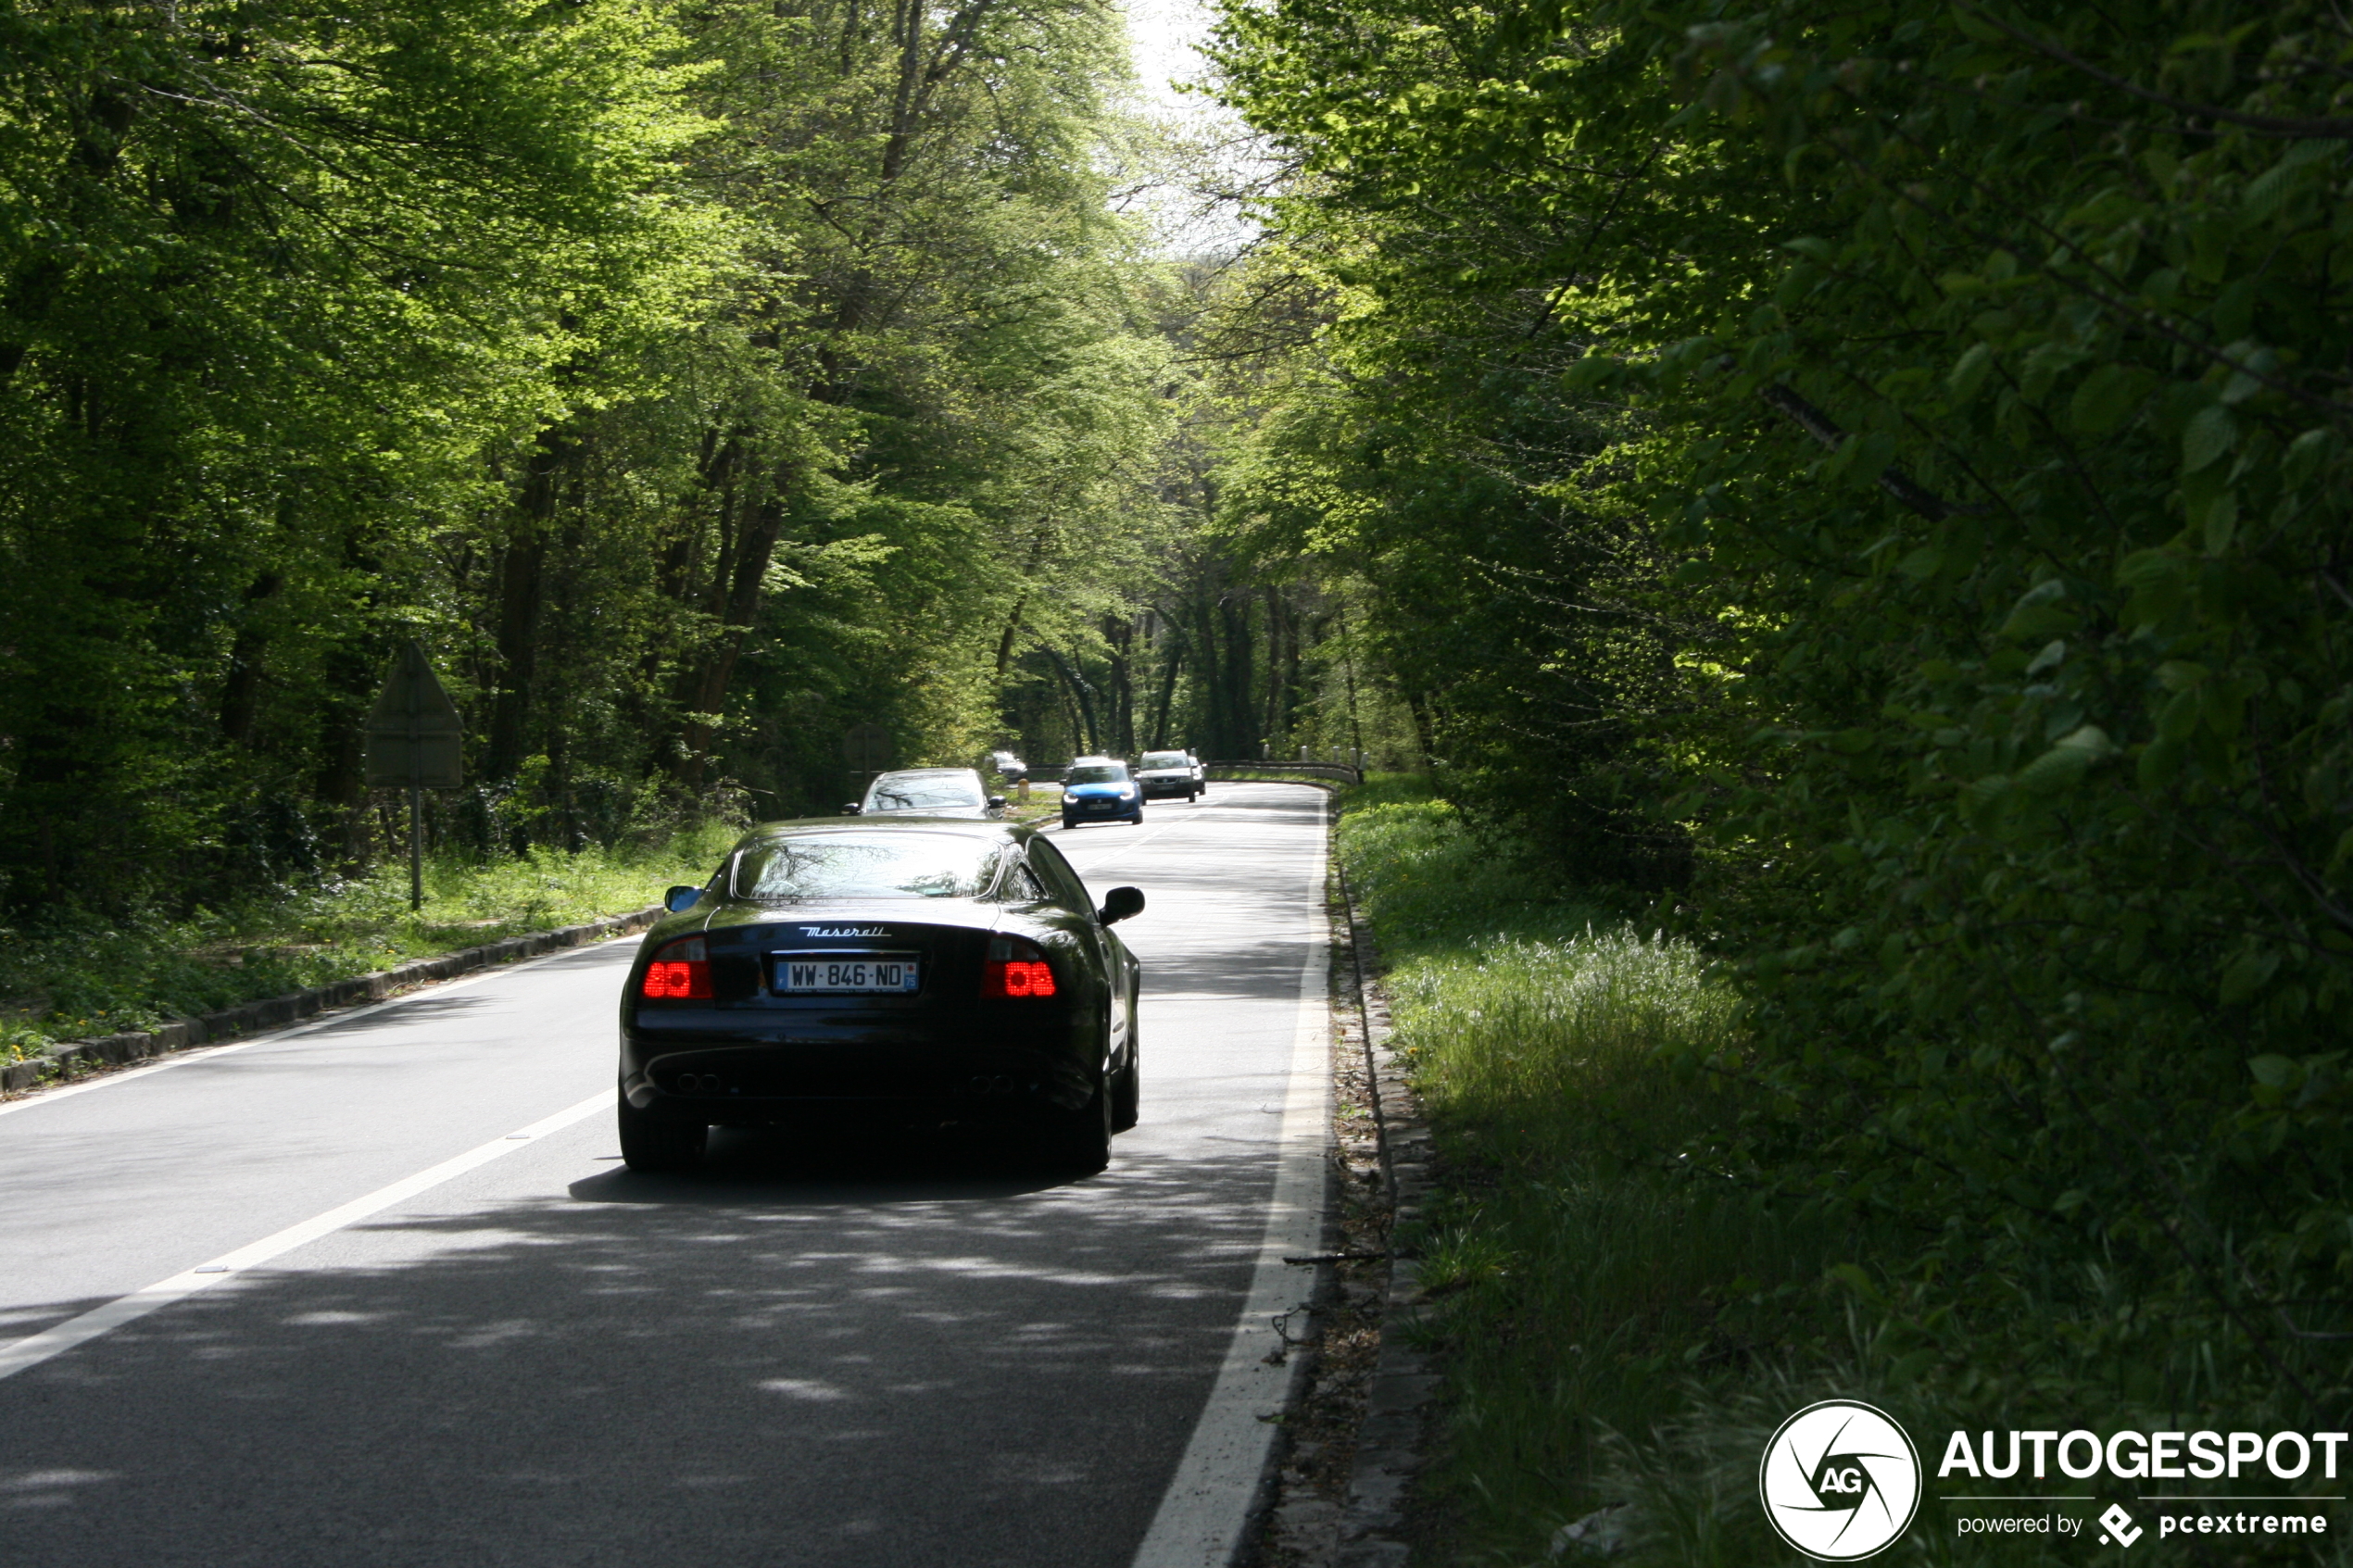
<point x="1233" y="611"/>
<point x="1176" y="657"/>
<point x="522" y="573"/>
<point x="703" y="689"/>
<point x="1121" y="635"/>
<point x="241" y="692"/>
<point x="1417" y="705"/>
<point x="1219" y="739"/>
<point x="1012" y="630"/>
<point x="1274" y="728"/>
<point x="1082" y="698"/>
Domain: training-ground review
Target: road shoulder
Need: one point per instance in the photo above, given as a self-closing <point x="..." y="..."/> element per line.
<point x="1357" y="1434"/>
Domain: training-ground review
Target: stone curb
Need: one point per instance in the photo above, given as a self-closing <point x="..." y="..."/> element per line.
<point x="1405" y="1382"/>
<point x="275" y="1013"/>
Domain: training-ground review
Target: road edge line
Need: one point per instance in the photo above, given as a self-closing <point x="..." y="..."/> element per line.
<point x="1204" y="1517"/>
<point x="55" y="1341"/>
<point x="39" y="1077"/>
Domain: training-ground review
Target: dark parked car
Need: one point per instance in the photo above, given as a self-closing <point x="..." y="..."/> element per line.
<point x="928" y="792"/>
<point x="910" y="972"/>
<point x="1174" y="775"/>
<point x="1098" y="789"/>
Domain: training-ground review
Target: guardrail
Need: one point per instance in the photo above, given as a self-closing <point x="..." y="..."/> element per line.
<point x="1339" y="770"/>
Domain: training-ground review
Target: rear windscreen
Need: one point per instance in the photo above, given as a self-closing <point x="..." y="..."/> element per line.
<point x="922" y="794"/>
<point x="853" y="865"/>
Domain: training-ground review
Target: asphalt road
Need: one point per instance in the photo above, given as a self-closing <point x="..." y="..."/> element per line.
<point x="882" y="1354"/>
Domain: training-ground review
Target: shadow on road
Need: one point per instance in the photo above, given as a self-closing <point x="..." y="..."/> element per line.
<point x="788" y="1359"/>
<point x="774" y="1166"/>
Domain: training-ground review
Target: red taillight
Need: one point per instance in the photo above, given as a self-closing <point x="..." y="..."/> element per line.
<point x="680" y="972"/>
<point x="1016" y="968"/>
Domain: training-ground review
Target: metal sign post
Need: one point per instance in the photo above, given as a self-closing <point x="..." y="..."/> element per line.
<point x="866" y="749"/>
<point x="415" y="741"/>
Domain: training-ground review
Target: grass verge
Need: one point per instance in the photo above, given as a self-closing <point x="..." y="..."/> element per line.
<point x="80" y="977"/>
<point x="1603" y="1305"/>
<point x="1625" y="1319"/>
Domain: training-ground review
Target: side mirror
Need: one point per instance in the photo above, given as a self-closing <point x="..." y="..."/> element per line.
<point x="996" y="802"/>
<point x="681" y="898"/>
<point x="853" y="809"/>
<point x="1119" y="903"/>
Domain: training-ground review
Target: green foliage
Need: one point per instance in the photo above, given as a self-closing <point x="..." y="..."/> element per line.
<point x="1955" y="384"/>
<point x="73" y="978"/>
<point x="245" y="340"/>
<point x="1584" y="1270"/>
<point x="695" y="383"/>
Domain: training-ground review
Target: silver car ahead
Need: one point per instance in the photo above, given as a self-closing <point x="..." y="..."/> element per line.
<point x="928" y="792"/>
<point x="1169" y="775"/>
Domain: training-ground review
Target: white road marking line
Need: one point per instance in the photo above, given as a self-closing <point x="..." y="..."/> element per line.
<point x="1201" y="1515"/>
<point x="174" y="1058"/>
<point x="35" y="1348"/>
<point x="39" y="1097"/>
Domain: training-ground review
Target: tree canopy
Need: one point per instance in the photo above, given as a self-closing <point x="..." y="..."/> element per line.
<point x="1875" y="478"/>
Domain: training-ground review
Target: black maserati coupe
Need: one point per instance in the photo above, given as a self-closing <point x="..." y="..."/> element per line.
<point x="915" y="972"/>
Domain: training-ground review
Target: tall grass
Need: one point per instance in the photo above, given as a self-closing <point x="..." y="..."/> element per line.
<point x="1583" y="1270"/>
<point x="1625" y="1317"/>
<point x="79" y="977"/>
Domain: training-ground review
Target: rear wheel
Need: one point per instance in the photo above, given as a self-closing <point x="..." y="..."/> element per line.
<point x="1127" y="1089"/>
<point x="1082" y="1141"/>
<point x="652" y="1143"/>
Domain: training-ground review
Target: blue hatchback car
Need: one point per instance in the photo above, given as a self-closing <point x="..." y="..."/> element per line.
<point x="1098" y="789"/>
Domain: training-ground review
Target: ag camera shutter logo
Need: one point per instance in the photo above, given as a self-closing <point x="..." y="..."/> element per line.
<point x="1840" y="1480"/>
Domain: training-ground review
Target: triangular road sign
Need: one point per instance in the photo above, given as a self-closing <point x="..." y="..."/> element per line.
<point x="414" y="735"/>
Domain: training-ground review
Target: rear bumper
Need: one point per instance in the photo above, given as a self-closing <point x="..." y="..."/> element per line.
<point x="737" y="1080"/>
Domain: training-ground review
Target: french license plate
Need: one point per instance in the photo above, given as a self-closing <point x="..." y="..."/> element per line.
<point x="816" y="974"/>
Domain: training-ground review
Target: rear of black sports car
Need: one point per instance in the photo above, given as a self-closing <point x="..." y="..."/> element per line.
<point x="971" y="1012"/>
<point x="921" y="974"/>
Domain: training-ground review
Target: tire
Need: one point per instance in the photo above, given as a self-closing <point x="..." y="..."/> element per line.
<point x="1127" y="1089"/>
<point x="649" y="1142"/>
<point x="1081" y="1143"/>
<point x="1067" y="823"/>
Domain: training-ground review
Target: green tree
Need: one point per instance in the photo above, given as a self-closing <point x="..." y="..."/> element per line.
<point x="270" y="280"/>
<point x="1946" y="397"/>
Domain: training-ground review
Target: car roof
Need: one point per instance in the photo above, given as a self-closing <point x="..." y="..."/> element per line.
<point x="893" y="821"/>
<point x="919" y="773"/>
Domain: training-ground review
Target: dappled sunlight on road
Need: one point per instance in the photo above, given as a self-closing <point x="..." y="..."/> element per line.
<point x="790" y="1334"/>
